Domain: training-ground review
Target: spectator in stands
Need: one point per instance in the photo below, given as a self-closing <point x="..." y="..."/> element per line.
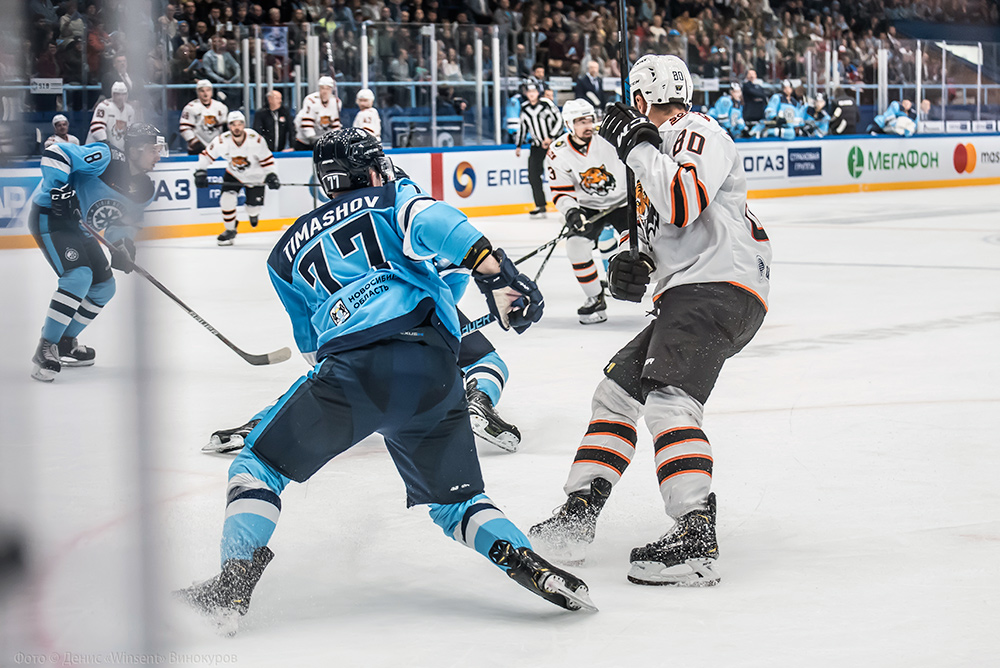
<point x="200" y="38"/>
<point x="189" y="15"/>
<point x="218" y="65"/>
<point x="399" y="68"/>
<point x="71" y="23"/>
<point x="183" y="36"/>
<point x="590" y="86"/>
<point x="61" y="135"/>
<point x="273" y="122"/>
<point x="184" y="66"/>
<point x="119" y="72"/>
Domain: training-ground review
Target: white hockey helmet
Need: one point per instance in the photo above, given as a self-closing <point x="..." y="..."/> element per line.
<point x="661" y="79"/>
<point x="365" y="94"/>
<point x="325" y="81"/>
<point x="236" y="115"/>
<point x="119" y="87"/>
<point x="59" y="118"/>
<point x="203" y="83"/>
<point x="575" y="109"/>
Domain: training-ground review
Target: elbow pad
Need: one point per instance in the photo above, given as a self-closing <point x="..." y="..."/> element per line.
<point x="479" y="252"/>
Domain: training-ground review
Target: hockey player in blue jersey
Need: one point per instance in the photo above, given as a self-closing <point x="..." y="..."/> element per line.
<point x="783" y="111"/>
<point x="899" y="118"/>
<point x="109" y="190"/>
<point x="728" y="111"/>
<point x="361" y="280"/>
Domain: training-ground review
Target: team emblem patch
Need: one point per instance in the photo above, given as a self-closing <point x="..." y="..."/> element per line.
<point x="763" y="271"/>
<point x="239" y="163"/>
<point x="120" y="128"/>
<point x="597" y="181"/>
<point x="339" y="313"/>
<point x="105" y="212"/>
<point x="325" y="121"/>
<point x="71" y="255"/>
<point x="209" y="121"/>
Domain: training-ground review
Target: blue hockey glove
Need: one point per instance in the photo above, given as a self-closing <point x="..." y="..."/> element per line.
<point x="513" y="298"/>
<point x="123" y="255"/>
<point x="628" y="278"/>
<point x="65" y="204"/>
<point x="625" y="128"/>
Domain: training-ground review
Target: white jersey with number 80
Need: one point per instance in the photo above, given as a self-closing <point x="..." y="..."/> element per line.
<point x="691" y="200"/>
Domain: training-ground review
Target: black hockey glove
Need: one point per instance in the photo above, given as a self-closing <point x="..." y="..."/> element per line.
<point x="123" y="255"/>
<point x="201" y="179"/>
<point x="513" y="298"/>
<point x="578" y="223"/>
<point x="272" y="181"/>
<point x="628" y="278"/>
<point x="65" y="204"/>
<point x="626" y="128"/>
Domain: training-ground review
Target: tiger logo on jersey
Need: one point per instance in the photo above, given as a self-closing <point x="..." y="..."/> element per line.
<point x="120" y="128"/>
<point x="325" y="121"/>
<point x="646" y="217"/>
<point x="209" y="121"/>
<point x="597" y="181"/>
<point x="239" y="163"/>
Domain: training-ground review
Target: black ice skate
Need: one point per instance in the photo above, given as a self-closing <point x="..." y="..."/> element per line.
<point x="537" y="212"/>
<point x="229" y="440"/>
<point x="487" y="423"/>
<point x="228" y="594"/>
<point x="594" y="310"/>
<point x="684" y="557"/>
<point x="540" y="577"/>
<point x="46" y="361"/>
<point x="226" y="238"/>
<point x="566" y="535"/>
<point x="72" y="353"/>
<point x="253" y="221"/>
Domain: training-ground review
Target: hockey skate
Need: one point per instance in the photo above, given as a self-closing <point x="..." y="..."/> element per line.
<point x="229" y="440"/>
<point x="566" y="535"/>
<point x="487" y="423"/>
<point x="253" y="221"/>
<point x="226" y="238"/>
<point x="542" y="578"/>
<point x="684" y="557"/>
<point x="46" y="361"/>
<point x="537" y="212"/>
<point x="72" y="353"/>
<point x="594" y="310"/>
<point x="226" y="597"/>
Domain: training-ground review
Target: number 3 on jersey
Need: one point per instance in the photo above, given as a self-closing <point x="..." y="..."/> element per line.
<point x="354" y="236"/>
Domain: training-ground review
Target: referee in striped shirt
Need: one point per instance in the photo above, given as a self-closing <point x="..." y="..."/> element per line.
<point x="539" y="117"/>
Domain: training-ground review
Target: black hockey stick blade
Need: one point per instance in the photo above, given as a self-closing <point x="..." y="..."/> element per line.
<point x="275" y="357"/>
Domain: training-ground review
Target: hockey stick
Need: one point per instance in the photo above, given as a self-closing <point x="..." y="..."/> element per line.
<point x="633" y="224"/>
<point x="275" y="357"/>
<point x="481" y="322"/>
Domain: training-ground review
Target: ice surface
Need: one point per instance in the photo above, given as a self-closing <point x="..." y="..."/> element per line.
<point x="855" y="444"/>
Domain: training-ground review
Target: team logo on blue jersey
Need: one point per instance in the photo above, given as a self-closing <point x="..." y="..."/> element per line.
<point x="104" y="212"/>
<point x="71" y="255"/>
<point x="464" y="179"/>
<point x="339" y="313"/>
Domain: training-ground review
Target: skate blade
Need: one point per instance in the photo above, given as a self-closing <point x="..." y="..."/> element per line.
<point x="44" y="375"/>
<point x="216" y="445"/>
<point x="228" y="242"/>
<point x="594" y="318"/>
<point x="692" y="573"/>
<point x="504" y="440"/>
<point x="578" y="599"/>
<point x="69" y="361"/>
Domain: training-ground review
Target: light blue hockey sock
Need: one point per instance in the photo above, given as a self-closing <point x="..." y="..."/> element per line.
<point x="607" y="244"/>
<point x="490" y="374"/>
<point x="252" y="506"/>
<point x="97" y="298"/>
<point x="477" y="523"/>
<point x="65" y="302"/>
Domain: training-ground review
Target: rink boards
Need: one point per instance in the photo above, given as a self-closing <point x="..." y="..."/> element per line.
<point x="491" y="181"/>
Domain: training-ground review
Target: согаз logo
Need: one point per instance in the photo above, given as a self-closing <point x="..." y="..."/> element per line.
<point x="965" y="158"/>
<point x="464" y="179"/>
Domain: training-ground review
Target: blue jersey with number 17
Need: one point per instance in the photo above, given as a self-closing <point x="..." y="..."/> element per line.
<point x="361" y="267"/>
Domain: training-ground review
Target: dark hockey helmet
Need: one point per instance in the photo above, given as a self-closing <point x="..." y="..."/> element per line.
<point x="140" y="134"/>
<point x="342" y="160"/>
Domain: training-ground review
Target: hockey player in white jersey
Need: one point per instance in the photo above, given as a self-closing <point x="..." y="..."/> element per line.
<point x="60" y="135"/>
<point x="367" y="117"/>
<point x="319" y="114"/>
<point x="709" y="260"/>
<point x="250" y="166"/>
<point x="202" y="119"/>
<point x="112" y="118"/>
<point x="587" y="181"/>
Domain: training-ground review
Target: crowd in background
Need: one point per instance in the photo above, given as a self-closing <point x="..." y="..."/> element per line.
<point x="84" y="41"/>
